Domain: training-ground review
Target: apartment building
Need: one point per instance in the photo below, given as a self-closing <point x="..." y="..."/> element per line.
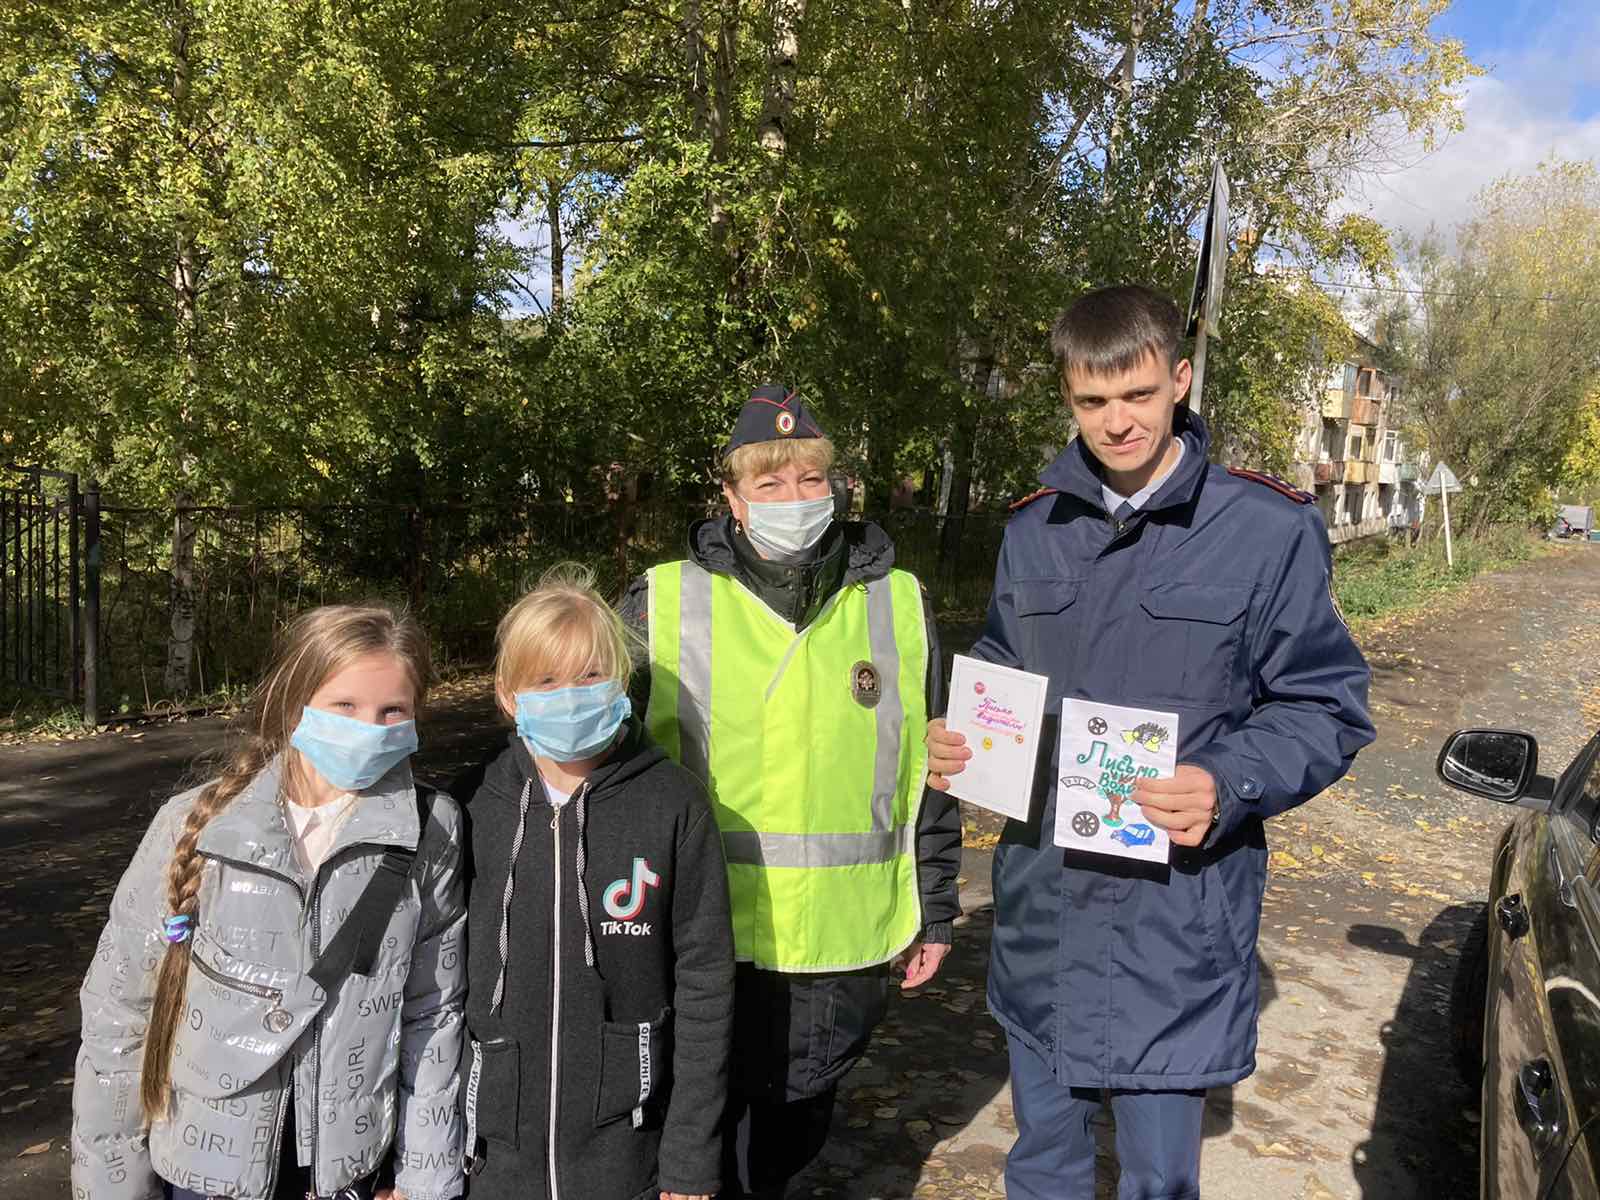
<point x="1363" y="475"/>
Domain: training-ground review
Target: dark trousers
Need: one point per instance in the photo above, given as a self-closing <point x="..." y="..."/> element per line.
<point x="1158" y="1137"/>
<point x="765" y="1143"/>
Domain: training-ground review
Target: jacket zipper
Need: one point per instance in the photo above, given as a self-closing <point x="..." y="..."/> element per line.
<point x="555" y="988"/>
<point x="316" y="1033"/>
<point x="555" y="1000"/>
<point x="254" y="989"/>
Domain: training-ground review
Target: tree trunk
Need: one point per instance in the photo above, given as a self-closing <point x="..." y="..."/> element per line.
<point x="782" y="68"/>
<point x="558" y="250"/>
<point x="963" y="442"/>
<point x="1124" y="100"/>
<point x="186" y="292"/>
<point x="722" y="66"/>
<point x="180" y="645"/>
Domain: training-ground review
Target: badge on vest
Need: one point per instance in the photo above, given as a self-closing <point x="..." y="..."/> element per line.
<point x="864" y="684"/>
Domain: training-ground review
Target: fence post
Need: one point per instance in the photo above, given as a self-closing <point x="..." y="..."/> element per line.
<point x="91" y="593"/>
<point x="74" y="596"/>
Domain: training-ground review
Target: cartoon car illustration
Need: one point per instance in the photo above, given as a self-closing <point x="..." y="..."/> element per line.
<point x="1149" y="735"/>
<point x="1135" y="835"/>
<point x="1085" y="823"/>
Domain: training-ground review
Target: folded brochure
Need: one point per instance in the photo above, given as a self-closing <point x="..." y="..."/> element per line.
<point x="1105" y="750"/>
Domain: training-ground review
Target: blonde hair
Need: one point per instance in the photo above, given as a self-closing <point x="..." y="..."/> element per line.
<point x="762" y="458"/>
<point x="313" y="647"/>
<point x="564" y="628"/>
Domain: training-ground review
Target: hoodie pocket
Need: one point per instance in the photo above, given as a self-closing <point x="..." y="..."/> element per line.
<point x="494" y="1103"/>
<point x="635" y="1071"/>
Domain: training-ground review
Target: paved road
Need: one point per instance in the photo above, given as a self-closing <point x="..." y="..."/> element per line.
<point x="1372" y="888"/>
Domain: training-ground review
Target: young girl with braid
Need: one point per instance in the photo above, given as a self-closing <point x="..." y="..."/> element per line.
<point x="275" y="1007"/>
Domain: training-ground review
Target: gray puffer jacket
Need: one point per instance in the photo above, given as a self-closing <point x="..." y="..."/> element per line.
<point x="376" y="1063"/>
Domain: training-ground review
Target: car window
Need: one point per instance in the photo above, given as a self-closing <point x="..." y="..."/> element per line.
<point x="1577" y="799"/>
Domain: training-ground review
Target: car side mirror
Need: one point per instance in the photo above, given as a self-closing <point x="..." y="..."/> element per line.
<point x="1498" y="763"/>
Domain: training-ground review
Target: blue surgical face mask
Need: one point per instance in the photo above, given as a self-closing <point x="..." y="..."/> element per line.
<point x="785" y="528"/>
<point x="352" y="754"/>
<point x="570" y="723"/>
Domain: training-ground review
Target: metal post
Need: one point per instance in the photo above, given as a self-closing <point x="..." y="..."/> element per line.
<point x="1444" y="499"/>
<point x="91" y="615"/>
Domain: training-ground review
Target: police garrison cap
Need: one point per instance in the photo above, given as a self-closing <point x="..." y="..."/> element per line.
<point x="773" y="413"/>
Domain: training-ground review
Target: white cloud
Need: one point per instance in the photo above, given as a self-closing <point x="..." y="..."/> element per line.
<point x="1510" y="128"/>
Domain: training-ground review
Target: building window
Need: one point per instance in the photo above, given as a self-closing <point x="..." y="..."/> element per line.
<point x="1391" y="445"/>
<point x="1355" y="447"/>
<point x="1332" y="440"/>
<point x="1354" y="501"/>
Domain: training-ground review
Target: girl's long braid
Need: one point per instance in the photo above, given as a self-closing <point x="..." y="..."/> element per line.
<point x="183" y="892"/>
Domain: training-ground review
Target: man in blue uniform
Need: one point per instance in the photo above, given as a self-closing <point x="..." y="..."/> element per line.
<point x="1143" y="575"/>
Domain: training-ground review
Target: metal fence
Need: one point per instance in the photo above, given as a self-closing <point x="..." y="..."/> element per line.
<point x="458" y="566"/>
<point x="41" y="559"/>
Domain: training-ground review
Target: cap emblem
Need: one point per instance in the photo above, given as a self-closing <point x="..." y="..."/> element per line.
<point x="786" y="423"/>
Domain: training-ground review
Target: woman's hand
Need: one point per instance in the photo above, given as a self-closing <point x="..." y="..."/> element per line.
<point x="388" y="1193"/>
<point x="947" y="754"/>
<point x="681" y="1196"/>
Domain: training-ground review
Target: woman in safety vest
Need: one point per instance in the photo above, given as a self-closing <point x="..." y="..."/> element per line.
<point x="793" y="670"/>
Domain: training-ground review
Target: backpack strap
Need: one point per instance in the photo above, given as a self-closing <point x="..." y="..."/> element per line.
<point x="354" y="949"/>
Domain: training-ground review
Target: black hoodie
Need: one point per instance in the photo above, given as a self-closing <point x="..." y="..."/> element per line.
<point x="617" y="989"/>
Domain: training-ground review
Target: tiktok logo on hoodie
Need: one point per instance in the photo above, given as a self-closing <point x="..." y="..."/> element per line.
<point x="624" y="899"/>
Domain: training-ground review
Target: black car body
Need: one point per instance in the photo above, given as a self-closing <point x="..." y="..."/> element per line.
<point x="1529" y="979"/>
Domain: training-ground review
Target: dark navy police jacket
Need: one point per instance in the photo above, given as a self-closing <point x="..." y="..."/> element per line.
<point x="1213" y="602"/>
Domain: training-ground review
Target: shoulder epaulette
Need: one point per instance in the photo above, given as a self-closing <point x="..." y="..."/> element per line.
<point x="1029" y="499"/>
<point x="1276" y="484"/>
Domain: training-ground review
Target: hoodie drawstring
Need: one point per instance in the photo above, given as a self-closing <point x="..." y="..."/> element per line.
<point x="505" y="902"/>
<point x="583" y="891"/>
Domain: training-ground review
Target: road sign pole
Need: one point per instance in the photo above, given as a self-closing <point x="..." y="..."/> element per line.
<point x="1444" y="499"/>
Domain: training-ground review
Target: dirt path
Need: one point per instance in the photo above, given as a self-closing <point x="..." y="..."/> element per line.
<point x="1372" y="885"/>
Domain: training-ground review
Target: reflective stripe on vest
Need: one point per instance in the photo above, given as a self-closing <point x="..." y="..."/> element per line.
<point x="816" y="792"/>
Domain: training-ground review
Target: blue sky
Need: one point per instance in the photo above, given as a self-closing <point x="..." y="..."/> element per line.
<point x="1540" y="96"/>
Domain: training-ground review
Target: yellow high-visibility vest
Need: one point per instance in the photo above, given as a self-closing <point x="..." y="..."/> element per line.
<point x="811" y="746"/>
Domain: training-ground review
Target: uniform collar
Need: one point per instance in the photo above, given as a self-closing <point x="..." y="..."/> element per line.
<point x="254" y="828"/>
<point x="1078" y="473"/>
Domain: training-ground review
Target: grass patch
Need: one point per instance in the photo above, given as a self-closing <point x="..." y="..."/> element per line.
<point x="1380" y="578"/>
<point x="27" y="716"/>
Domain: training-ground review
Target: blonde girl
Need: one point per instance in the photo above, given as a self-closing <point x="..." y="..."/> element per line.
<point x="601" y="964"/>
<point x="274" y="1008"/>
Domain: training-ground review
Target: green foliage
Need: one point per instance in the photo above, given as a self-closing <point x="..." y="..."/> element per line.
<point x="255" y="248"/>
<point x="1379" y="578"/>
<point x="1498" y="359"/>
